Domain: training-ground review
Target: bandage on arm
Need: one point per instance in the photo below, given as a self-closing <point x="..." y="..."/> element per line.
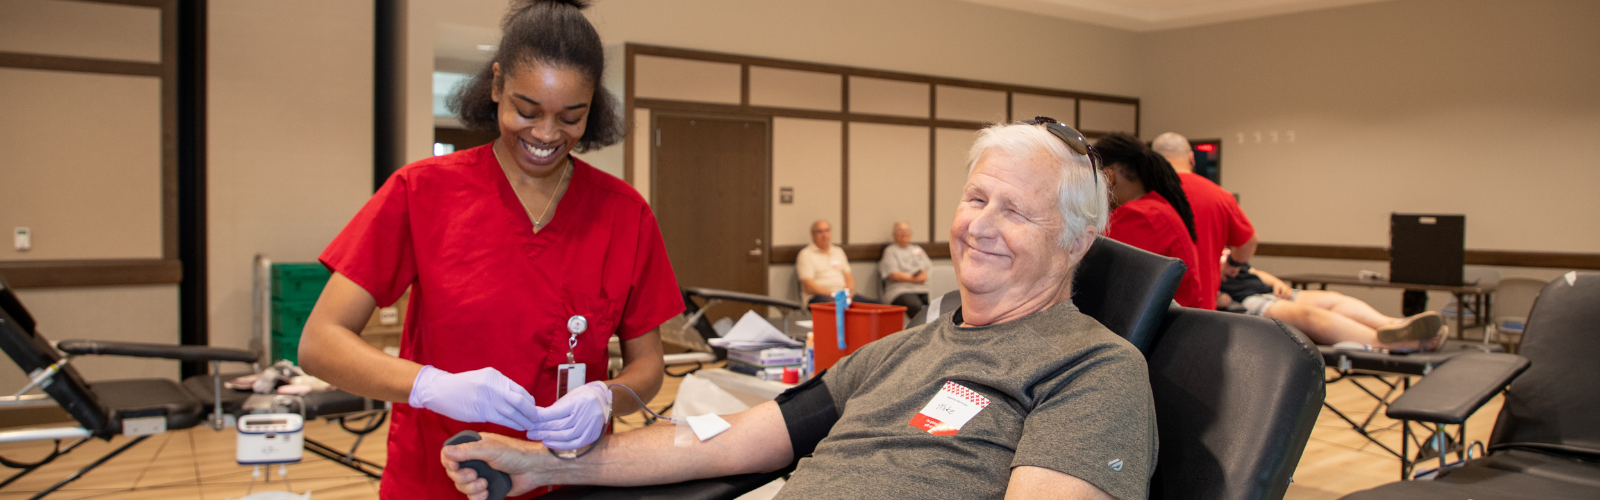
<point x="808" y="413"/>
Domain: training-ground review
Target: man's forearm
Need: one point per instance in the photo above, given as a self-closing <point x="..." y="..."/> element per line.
<point x="757" y="442"/>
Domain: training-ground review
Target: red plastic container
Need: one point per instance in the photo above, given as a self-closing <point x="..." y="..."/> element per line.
<point x="863" y="323"/>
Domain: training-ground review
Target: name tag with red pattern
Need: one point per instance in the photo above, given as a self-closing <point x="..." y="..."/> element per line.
<point x="950" y="409"/>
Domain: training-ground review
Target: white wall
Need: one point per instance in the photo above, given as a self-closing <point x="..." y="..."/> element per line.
<point x="290" y="139"/>
<point x="1483" y="107"/>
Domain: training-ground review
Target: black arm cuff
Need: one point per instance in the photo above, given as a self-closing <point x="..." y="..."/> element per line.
<point x="808" y="413"/>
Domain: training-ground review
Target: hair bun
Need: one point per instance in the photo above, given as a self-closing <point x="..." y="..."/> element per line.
<point x="576" y="4"/>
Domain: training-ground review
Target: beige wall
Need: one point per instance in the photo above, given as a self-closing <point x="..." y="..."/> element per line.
<point x="83" y="150"/>
<point x="290" y="139"/>
<point x="83" y="172"/>
<point x="1486" y="108"/>
<point x="806" y="156"/>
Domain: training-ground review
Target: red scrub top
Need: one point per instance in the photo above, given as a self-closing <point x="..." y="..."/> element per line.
<point x="488" y="291"/>
<point x="1151" y="224"/>
<point x="1218" y="222"/>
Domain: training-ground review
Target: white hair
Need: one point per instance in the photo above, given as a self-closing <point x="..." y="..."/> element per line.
<point x="1082" y="195"/>
<point x="1171" y="144"/>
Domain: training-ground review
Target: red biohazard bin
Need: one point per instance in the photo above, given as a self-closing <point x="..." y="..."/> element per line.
<point x="863" y="323"/>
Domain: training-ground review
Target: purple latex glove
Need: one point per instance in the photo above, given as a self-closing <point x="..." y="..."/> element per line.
<point x="482" y="395"/>
<point x="575" y="420"/>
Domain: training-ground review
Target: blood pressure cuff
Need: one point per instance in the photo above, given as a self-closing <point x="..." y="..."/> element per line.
<point x="808" y="413"/>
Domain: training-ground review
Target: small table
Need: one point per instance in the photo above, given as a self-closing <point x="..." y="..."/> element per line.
<point x="1480" y="307"/>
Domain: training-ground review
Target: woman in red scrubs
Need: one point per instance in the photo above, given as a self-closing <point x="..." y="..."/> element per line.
<point x="522" y="261"/>
<point x="1151" y="211"/>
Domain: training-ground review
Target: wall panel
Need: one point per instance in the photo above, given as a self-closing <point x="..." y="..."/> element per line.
<point x="787" y="88"/>
<point x="81" y="29"/>
<point x="876" y="96"/>
<point x="888" y="180"/>
<point x="973" y="105"/>
<point x="1027" y="106"/>
<point x="1101" y="116"/>
<point x="806" y="156"/>
<point x="83" y="164"/>
<point x="685" y="80"/>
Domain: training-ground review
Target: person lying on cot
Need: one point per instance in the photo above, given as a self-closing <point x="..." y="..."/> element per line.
<point x="1016" y="394"/>
<point x="1329" y="318"/>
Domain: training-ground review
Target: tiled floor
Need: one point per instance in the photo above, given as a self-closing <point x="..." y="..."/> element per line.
<point x="199" y="463"/>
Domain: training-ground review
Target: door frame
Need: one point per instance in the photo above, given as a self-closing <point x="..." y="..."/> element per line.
<point x="766" y="205"/>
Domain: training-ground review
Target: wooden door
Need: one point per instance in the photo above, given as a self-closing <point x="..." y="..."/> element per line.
<point x="709" y="191"/>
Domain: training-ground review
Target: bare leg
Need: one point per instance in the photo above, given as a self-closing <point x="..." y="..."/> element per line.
<point x="1325" y="327"/>
<point x="1345" y="305"/>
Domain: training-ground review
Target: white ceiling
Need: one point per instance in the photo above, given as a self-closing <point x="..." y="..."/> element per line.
<point x="1154" y="15"/>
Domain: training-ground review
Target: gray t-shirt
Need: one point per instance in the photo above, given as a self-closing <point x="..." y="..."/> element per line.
<point x="907" y="260"/>
<point x="1065" y="394"/>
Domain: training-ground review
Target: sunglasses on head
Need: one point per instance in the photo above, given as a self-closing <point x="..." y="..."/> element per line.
<point x="1074" y="140"/>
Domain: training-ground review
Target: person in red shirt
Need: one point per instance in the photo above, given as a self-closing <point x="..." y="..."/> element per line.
<point x="1218" y="221"/>
<point x="522" y="262"/>
<point x="1151" y="211"/>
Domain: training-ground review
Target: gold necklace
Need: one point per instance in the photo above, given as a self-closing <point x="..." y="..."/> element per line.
<point x="538" y="222"/>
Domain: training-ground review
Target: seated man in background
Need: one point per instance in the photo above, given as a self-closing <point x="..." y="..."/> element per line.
<point x="1326" y="317"/>
<point x="904" y="269"/>
<point x="910" y="415"/>
<point x="824" y="269"/>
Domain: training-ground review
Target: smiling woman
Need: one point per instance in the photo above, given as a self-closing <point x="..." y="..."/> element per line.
<point x="522" y="261"/>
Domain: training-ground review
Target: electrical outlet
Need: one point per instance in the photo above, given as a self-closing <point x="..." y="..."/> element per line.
<point x="23" y="239"/>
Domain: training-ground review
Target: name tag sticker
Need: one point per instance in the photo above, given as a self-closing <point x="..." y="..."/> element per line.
<point x="950" y="409"/>
<point x="916" y="250"/>
<point x="836" y="263"/>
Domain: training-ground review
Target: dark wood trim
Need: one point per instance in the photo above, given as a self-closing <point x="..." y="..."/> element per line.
<point x="655" y="50"/>
<point x="134" y="3"/>
<point x="933" y="182"/>
<point x="1504" y="258"/>
<point x="107" y="272"/>
<point x="735" y="109"/>
<point x="194" y="296"/>
<point x="1559" y="260"/>
<point x="844" y="183"/>
<point x="629" y="135"/>
<point x="744" y="85"/>
<point x="857" y="253"/>
<point x="82" y="64"/>
<point x="1009" y="119"/>
<point x="169" y="129"/>
<point x="1323" y="251"/>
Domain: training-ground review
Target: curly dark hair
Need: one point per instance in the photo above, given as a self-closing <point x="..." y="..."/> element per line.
<point x="1134" y="159"/>
<point x="552" y="33"/>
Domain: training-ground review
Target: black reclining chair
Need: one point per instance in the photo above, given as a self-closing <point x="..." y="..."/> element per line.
<point x="1236" y="396"/>
<point x="138" y="408"/>
<point x="1546" y="441"/>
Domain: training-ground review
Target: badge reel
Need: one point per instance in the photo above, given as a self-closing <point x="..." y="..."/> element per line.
<point x="570" y="375"/>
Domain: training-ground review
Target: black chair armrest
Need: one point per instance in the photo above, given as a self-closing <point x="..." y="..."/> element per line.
<point x="1457" y="388"/>
<point x="712" y="293"/>
<point x="163" y="351"/>
<point x="716" y="488"/>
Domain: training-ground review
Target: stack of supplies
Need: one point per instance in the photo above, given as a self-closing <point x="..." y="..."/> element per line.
<point x="765" y="364"/>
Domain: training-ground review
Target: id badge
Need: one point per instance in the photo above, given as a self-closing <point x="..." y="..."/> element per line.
<point x="569" y="376"/>
<point x="949" y="410"/>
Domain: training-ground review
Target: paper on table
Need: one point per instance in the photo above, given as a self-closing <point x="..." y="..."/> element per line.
<point x="753" y="332"/>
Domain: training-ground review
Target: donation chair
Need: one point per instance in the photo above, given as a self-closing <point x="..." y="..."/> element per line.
<point x="1236" y="396"/>
<point x="137" y="408"/>
<point x="1546" y="441"/>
